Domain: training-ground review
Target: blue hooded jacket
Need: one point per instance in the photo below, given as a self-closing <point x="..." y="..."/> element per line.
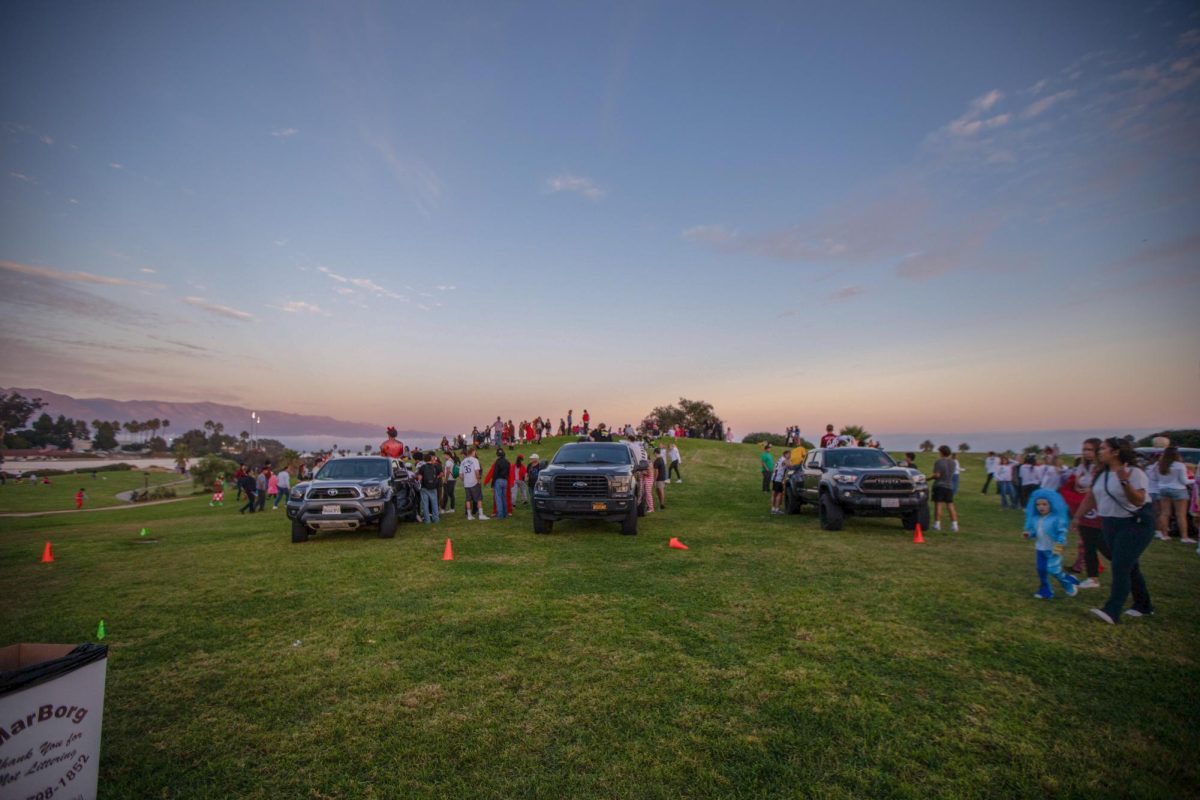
<point x="1058" y="518"/>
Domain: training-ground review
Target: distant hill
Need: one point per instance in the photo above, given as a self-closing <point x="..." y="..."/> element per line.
<point x="185" y="416"/>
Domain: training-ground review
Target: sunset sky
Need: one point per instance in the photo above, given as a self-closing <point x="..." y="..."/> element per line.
<point x="933" y="216"/>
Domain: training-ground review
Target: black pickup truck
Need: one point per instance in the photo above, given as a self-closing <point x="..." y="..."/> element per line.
<point x="861" y="481"/>
<point x="590" y="480"/>
<point x="352" y="493"/>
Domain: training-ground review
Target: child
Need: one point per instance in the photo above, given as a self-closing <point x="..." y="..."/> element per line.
<point x="218" y="498"/>
<point x="1046" y="520"/>
<point x="777" y="479"/>
<point x="79" y="498"/>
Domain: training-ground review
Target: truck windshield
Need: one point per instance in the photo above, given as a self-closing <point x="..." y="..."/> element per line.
<point x="592" y="454"/>
<point x="858" y="458"/>
<point x="354" y="469"/>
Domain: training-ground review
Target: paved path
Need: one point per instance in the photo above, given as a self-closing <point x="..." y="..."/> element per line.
<point x="120" y="496"/>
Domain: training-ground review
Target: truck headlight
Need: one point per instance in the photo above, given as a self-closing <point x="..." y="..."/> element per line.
<point x="542" y="486"/>
<point x="373" y="492"/>
<point x="845" y="478"/>
<point x="919" y="480"/>
<point x="297" y="493"/>
<point x="620" y="484"/>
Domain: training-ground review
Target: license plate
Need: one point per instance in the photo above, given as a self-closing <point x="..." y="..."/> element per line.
<point x="890" y="502"/>
<point x="331" y="509"/>
<point x="599" y="506"/>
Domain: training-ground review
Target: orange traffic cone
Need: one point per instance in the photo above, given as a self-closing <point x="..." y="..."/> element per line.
<point x="676" y="544"/>
<point x="917" y="537"/>
<point x="47" y="554"/>
<point x="448" y="555"/>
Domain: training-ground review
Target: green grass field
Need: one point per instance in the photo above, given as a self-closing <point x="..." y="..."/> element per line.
<point x="60" y="494"/>
<point x="770" y="660"/>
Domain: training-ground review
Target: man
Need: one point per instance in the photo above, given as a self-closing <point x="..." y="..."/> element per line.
<point x="392" y="447"/>
<point x="260" y="488"/>
<point x="676" y="460"/>
<point x="469" y="470"/>
<point x="586" y="419"/>
<point x="237" y="480"/>
<point x="660" y="477"/>
<point x="429" y="474"/>
<point x="989" y="465"/>
<point x="284" y="483"/>
<point x="532" y="472"/>
<point x="768" y="466"/>
<point x="829" y="438"/>
<point x="777" y="479"/>
<point x="910" y="461"/>
<point x="943" y="489"/>
<point x="570" y="413"/>
<point x="246" y="484"/>
<point x="497" y="433"/>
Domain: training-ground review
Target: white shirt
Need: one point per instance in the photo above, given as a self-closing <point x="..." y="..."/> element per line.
<point x="468" y="470"/>
<point x="283" y="480"/>
<point x="1176" y="477"/>
<point x="1004" y="472"/>
<point x="990" y="463"/>
<point x="675" y="454"/>
<point x="1051" y="478"/>
<point x="1030" y="474"/>
<point x="781" y="469"/>
<point x="637" y="450"/>
<point x="1110" y="494"/>
<point x="1152" y="475"/>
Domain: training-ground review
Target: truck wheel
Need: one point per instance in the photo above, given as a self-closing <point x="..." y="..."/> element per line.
<point x="909" y="520"/>
<point x="299" y="532"/>
<point x="831" y="514"/>
<point x="387" y="525"/>
<point x="541" y="524"/>
<point x="791" y="502"/>
<point x="629" y="524"/>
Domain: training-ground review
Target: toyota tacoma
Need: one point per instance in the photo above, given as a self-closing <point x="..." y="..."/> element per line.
<point x="352" y="493"/>
<point x="857" y="481"/>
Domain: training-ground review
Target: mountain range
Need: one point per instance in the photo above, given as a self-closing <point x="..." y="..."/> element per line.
<point x="185" y="416"/>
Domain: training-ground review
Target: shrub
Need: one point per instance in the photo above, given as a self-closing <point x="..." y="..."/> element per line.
<point x="776" y="439"/>
<point x="1179" y="438"/>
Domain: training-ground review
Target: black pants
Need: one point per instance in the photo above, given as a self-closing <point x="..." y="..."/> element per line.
<point x="1026" y="490"/>
<point x="260" y="499"/>
<point x="1126" y="539"/>
<point x="448" y="494"/>
<point x="249" y="504"/>
<point x="987" y="483"/>
<point x="1093" y="541"/>
<point x="766" y="481"/>
<point x="675" y="470"/>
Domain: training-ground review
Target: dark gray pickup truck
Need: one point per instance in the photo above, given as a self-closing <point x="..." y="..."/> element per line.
<point x="861" y="481"/>
<point x="590" y="480"/>
<point x="352" y="493"/>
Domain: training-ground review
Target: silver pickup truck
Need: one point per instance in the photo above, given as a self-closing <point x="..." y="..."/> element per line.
<point x="352" y="493"/>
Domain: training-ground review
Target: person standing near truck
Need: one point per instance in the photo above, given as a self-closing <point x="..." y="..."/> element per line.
<point x="392" y="447"/>
<point x="767" y="465"/>
<point x="943" y="489"/>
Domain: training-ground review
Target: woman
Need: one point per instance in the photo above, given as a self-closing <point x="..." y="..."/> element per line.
<point x="1119" y="495"/>
<point x="1173" y="494"/>
<point x="449" y="478"/>
<point x="1074" y="489"/>
<point x="1004" y="483"/>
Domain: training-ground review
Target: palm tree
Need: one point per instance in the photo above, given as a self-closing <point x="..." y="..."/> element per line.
<point x="245" y="437"/>
<point x="859" y="433"/>
<point x="166" y="423"/>
<point x="926" y="446"/>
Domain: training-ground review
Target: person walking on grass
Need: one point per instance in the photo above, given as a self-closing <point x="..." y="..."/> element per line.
<point x="1046" y="520"/>
<point x="1075" y="488"/>
<point x="497" y="476"/>
<point x="283" y="482"/>
<point x="520" y="491"/>
<point x="273" y="491"/>
<point x="79" y="498"/>
<point x="675" y="460"/>
<point x="767" y="465"/>
<point x="1004" y="483"/>
<point x="470" y="470"/>
<point x="943" y="489"/>
<point x="246" y="484"/>
<point x="1127" y="524"/>
<point x="778" y="476"/>
<point x="989" y="465"/>
<point x="260" y="488"/>
<point x="660" y="477"/>
<point x="1173" y="495"/>
<point x="429" y="474"/>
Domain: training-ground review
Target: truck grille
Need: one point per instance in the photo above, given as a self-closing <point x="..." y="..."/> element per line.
<point x="580" y="486"/>
<point x="334" y="493"/>
<point x="886" y="485"/>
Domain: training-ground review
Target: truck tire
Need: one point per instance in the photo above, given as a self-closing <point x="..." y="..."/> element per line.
<point x="791" y="502"/>
<point x="831" y="514"/>
<point x="299" y="532"/>
<point x="629" y="524"/>
<point x="541" y="524"/>
<point x="387" y="525"/>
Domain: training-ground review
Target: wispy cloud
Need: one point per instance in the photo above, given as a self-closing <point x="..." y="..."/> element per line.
<point x="285" y="133"/>
<point x="414" y="174"/>
<point x="301" y="307"/>
<point x="74" y="277"/>
<point x="220" y="310"/>
<point x="116" y="165"/>
<point x="977" y="118"/>
<point x="709" y="234"/>
<point x="846" y="292"/>
<point x="148" y="270"/>
<point x="22" y="177"/>
<point x="574" y="183"/>
<point x="362" y="283"/>
<point x="46" y="139"/>
<point x="1038" y="107"/>
<point x="280" y="242"/>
